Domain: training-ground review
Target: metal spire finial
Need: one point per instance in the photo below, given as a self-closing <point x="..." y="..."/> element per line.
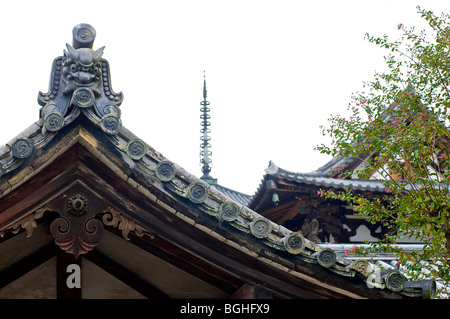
<point x="205" y="152"/>
<point x="204" y="86"/>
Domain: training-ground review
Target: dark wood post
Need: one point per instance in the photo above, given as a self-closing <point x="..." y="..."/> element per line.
<point x="68" y="276"/>
<point x="252" y="292"/>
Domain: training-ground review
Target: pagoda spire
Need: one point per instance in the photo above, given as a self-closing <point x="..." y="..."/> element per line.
<point x="205" y="146"/>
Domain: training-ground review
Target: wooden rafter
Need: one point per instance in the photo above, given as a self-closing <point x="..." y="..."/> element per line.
<point x="292" y="212"/>
<point x="277" y="209"/>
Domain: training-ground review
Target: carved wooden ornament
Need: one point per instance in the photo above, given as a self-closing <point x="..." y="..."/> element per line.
<point x="115" y="219"/>
<point x="28" y="222"/>
<point x="77" y="231"/>
<point x="79" y="228"/>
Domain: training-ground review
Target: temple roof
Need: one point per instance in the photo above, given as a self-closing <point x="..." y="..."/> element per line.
<point x="78" y="154"/>
<point x="337" y="163"/>
<point x="319" y="179"/>
<point x="236" y="196"/>
<point x="316" y="178"/>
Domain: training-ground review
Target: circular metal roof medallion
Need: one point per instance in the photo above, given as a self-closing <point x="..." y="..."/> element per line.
<point x="326" y="258"/>
<point x="229" y="211"/>
<point x="136" y="149"/>
<point x="197" y="192"/>
<point x="22" y="148"/>
<point x="111" y="124"/>
<point x="294" y="243"/>
<point x="260" y="227"/>
<point x="395" y="281"/>
<point x="165" y="171"/>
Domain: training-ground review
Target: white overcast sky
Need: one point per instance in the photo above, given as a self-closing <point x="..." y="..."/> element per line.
<point x="275" y="71"/>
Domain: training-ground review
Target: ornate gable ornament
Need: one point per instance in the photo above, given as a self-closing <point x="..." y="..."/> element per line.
<point x="80" y="82"/>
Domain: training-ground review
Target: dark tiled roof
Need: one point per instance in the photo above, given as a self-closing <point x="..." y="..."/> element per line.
<point x="319" y="178"/>
<point x="238" y="197"/>
<point x="323" y="181"/>
<point x="329" y="169"/>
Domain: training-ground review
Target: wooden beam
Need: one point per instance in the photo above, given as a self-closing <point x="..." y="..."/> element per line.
<point x="277" y="209"/>
<point x="282" y="190"/>
<point x="35" y="192"/>
<point x="292" y="212"/>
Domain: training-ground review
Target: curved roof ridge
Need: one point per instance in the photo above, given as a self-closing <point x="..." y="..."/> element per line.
<point x="321" y="180"/>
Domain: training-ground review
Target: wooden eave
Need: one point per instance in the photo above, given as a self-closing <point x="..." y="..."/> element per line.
<point x="190" y="235"/>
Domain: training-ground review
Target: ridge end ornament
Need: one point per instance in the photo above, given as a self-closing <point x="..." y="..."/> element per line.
<point x="80" y="79"/>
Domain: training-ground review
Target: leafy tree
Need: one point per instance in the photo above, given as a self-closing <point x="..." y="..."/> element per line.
<point x="399" y="127"/>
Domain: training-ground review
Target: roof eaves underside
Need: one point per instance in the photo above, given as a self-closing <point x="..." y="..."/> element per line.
<point x="196" y="203"/>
